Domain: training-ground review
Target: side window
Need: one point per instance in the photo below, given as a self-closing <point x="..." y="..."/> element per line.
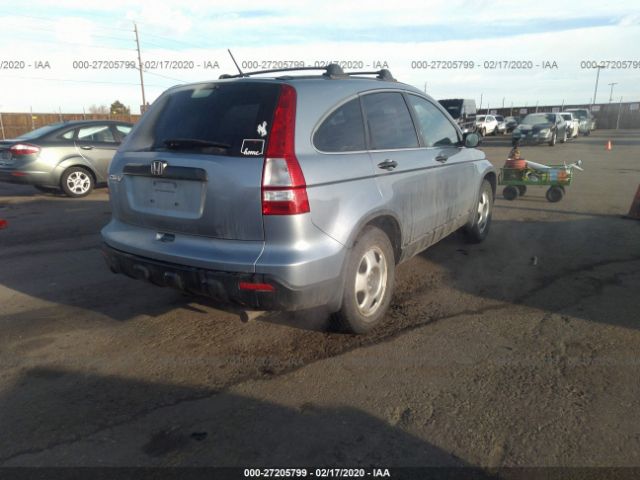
<point x="342" y="130"/>
<point x="389" y="121"/>
<point x="96" y="133"/>
<point x="435" y="129"/>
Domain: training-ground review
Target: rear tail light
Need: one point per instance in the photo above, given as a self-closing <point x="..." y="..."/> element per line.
<point x="24" y="149"/>
<point x="284" y="190"/>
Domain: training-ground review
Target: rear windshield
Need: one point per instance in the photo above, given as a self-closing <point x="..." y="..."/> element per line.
<point x="537" y="118"/>
<point x="222" y="119"/>
<point x="581" y="114"/>
<point x="39" y="132"/>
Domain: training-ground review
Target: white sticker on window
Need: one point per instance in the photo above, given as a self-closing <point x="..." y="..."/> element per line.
<point x="252" y="147"/>
<point x="262" y="129"/>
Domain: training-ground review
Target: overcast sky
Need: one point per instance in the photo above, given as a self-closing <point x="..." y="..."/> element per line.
<point x="398" y="33"/>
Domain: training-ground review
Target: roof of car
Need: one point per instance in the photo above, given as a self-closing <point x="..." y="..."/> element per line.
<point x="89" y="122"/>
<point x="333" y="77"/>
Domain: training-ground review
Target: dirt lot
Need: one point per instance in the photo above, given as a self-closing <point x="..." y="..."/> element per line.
<point x="486" y="358"/>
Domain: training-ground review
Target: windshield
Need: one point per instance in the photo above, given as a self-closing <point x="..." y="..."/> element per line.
<point x="39" y="132"/>
<point x="566" y="116"/>
<point x="538" y="118"/>
<point x="480" y="118"/>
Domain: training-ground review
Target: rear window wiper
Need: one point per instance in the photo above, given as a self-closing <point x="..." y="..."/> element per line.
<point x="189" y="143"/>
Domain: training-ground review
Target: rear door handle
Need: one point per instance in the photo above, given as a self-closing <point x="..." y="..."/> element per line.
<point x="441" y="158"/>
<point x="86" y="147"/>
<point x="388" y="164"/>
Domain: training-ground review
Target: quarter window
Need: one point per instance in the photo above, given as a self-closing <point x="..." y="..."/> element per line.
<point x="123" y="130"/>
<point x="68" y="135"/>
<point x="389" y="122"/>
<point x="342" y="130"/>
<point x="434" y="128"/>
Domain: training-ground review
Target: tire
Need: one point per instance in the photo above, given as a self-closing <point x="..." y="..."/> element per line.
<point x="554" y="194"/>
<point x="522" y="189"/>
<point x="47" y="189"/>
<point x="77" y="182"/>
<point x="510" y="192"/>
<point x="564" y="137"/>
<point x="483" y="132"/>
<point x="587" y="133"/>
<point x="552" y="142"/>
<point x="369" y="283"/>
<point x="477" y="231"/>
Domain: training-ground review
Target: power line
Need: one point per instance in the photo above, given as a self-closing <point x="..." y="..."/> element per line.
<point x="164" y="76"/>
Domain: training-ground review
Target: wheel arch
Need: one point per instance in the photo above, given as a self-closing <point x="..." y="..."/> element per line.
<point x="388" y="223"/>
<point x="76" y="161"/>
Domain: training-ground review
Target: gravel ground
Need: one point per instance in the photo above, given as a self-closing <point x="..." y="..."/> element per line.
<point x="520" y="351"/>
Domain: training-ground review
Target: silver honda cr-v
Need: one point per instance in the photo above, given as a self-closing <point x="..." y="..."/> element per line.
<point x="289" y="192"/>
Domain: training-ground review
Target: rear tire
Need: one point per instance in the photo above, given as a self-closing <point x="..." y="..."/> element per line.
<point x="479" y="229"/>
<point x="369" y="283"/>
<point x="522" y="189"/>
<point x="77" y="182"/>
<point x="554" y="194"/>
<point x="510" y="192"/>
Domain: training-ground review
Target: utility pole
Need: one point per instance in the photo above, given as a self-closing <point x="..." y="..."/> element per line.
<point x="619" y="109"/>
<point x="480" y="107"/>
<point x="611" y="93"/>
<point x="144" y="100"/>
<point x="2" y="126"/>
<point x="595" y="91"/>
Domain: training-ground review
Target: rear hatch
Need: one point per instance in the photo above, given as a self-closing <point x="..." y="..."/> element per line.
<point x="194" y="163"/>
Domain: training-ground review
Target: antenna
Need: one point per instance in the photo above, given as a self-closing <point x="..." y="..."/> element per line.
<point x="236" y="63"/>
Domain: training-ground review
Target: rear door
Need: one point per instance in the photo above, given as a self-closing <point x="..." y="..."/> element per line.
<point x="400" y="166"/>
<point x="194" y="163"/>
<point x="97" y="144"/>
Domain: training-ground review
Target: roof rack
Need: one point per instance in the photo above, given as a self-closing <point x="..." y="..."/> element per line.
<point x="333" y="70"/>
<point x="383" y="74"/>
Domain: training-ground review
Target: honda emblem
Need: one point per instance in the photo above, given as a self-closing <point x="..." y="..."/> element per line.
<point x="158" y="166"/>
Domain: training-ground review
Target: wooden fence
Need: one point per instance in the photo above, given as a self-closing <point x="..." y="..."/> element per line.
<point x="15" y="124"/>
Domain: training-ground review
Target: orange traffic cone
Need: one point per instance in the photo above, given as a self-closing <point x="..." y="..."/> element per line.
<point x="608" y="146"/>
<point x="3" y="224"/>
<point x="634" y="211"/>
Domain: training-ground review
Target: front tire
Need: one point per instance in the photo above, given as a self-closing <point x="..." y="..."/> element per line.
<point x="564" y="137"/>
<point x="477" y="231"/>
<point x="76" y="182"/>
<point x="369" y="283"/>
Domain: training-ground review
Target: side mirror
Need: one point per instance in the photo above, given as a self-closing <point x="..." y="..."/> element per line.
<point x="471" y="140"/>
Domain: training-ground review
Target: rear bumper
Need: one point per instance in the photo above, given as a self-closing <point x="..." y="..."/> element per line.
<point x="532" y="139"/>
<point x="223" y="286"/>
<point x="12" y="175"/>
